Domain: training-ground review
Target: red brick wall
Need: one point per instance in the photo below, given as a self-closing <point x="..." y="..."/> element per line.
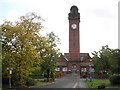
<point x="74" y="46"/>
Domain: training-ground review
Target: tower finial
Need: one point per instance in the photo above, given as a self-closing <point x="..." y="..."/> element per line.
<point x="74" y="9"/>
<point x="74" y="14"/>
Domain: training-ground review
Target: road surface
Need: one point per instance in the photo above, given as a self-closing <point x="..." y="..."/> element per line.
<point x="68" y="81"/>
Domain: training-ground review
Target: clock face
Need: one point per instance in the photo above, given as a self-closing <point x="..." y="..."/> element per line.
<point x="74" y="26"/>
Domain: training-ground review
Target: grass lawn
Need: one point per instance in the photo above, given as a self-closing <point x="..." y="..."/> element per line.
<point x="42" y="83"/>
<point x="96" y="83"/>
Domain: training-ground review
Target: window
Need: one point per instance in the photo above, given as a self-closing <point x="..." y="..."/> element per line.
<point x="64" y="69"/>
<point x="57" y="69"/>
<point x="91" y="60"/>
<point x="81" y="58"/>
<point x="83" y="69"/>
<point x="91" y="69"/>
<point x="74" y="66"/>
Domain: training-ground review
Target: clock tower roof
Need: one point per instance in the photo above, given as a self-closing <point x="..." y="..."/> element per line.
<point x="74" y="14"/>
<point x="74" y="9"/>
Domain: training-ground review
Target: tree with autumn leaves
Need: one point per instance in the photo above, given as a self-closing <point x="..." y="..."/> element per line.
<point x="26" y="50"/>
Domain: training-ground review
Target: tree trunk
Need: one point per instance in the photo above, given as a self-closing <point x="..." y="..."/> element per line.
<point x="48" y="75"/>
<point x="52" y="76"/>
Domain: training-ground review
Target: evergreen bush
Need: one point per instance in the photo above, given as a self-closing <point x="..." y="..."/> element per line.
<point x="107" y="75"/>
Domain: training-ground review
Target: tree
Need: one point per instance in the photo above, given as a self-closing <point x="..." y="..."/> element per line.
<point x="19" y="46"/>
<point x="115" y="61"/>
<point x="107" y="60"/>
<point x="50" y="54"/>
<point x="101" y="59"/>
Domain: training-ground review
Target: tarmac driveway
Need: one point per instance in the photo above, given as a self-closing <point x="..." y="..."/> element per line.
<point x="68" y="81"/>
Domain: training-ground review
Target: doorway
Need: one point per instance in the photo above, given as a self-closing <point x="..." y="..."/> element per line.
<point x="74" y="68"/>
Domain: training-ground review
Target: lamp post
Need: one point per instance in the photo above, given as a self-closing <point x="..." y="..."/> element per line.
<point x="9" y="72"/>
<point x="90" y="73"/>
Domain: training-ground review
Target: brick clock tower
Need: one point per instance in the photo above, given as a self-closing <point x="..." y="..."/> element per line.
<point x="74" y="61"/>
<point x="74" y="46"/>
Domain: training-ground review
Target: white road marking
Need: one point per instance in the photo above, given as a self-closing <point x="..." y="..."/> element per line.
<point x="75" y="85"/>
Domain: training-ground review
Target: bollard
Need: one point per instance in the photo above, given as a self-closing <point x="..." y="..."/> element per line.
<point x="90" y="79"/>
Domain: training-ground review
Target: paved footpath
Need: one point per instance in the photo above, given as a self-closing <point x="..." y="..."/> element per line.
<point x="82" y="84"/>
<point x="68" y="81"/>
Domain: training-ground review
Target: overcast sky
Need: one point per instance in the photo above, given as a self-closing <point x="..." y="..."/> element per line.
<point x="98" y="26"/>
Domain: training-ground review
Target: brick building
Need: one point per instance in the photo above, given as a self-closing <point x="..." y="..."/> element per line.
<point x="74" y="61"/>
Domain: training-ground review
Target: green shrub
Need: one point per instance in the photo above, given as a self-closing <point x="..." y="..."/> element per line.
<point x="96" y="75"/>
<point x="96" y="83"/>
<point x="57" y="74"/>
<point x="114" y="79"/>
<point x="36" y="77"/>
<point x="30" y="81"/>
<point x="107" y="75"/>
